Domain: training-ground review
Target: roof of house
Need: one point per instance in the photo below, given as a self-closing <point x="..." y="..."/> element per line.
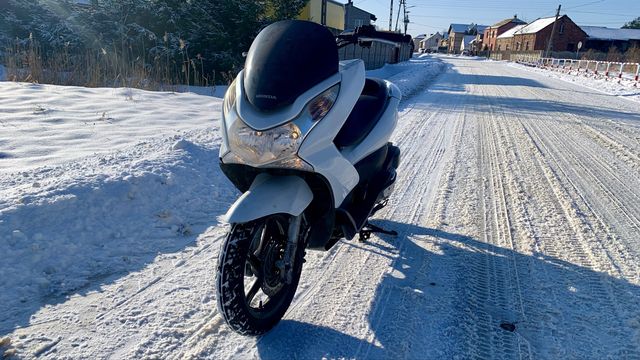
<point x="463" y="28"/>
<point x="537" y="25"/>
<point x="509" y="33"/>
<point x="506" y="21"/>
<point x="458" y="28"/>
<point x="604" y="33"/>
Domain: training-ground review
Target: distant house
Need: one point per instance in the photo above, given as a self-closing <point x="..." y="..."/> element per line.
<point x="417" y="40"/>
<point x="535" y="36"/>
<point x="354" y="17"/>
<point x="477" y="44"/>
<point x="457" y="32"/>
<point x="330" y="13"/>
<point x="431" y="43"/>
<point x="443" y="46"/>
<point x="467" y="44"/>
<point x="492" y="32"/>
<point x="602" y="38"/>
<point x="504" y="41"/>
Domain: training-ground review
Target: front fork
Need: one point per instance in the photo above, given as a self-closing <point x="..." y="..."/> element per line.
<point x="287" y="264"/>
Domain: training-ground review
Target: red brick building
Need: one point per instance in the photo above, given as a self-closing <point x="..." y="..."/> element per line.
<point x="535" y="36"/>
<point x="492" y="32"/>
<point x="504" y="41"/>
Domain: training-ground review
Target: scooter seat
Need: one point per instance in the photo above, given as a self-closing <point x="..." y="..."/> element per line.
<point x="365" y="114"/>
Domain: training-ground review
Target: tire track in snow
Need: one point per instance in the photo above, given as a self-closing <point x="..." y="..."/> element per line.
<point x="600" y="289"/>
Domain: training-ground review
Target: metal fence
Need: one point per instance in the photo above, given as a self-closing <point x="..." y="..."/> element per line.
<point x="375" y="52"/>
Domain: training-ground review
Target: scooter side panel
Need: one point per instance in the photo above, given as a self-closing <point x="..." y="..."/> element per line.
<point x="318" y="148"/>
<point x="268" y="195"/>
<point x="378" y="136"/>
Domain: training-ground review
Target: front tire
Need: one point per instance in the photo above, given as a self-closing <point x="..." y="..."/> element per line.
<point x="252" y="297"/>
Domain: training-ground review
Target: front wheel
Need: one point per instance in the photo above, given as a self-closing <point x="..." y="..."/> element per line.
<point x="253" y="294"/>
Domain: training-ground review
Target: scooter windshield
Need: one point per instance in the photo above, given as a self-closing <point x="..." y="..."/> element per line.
<point x="286" y="59"/>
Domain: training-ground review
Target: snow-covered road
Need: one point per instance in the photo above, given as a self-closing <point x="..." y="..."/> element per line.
<point x="518" y="212"/>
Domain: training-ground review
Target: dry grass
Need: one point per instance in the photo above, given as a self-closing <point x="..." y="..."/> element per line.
<point x="632" y="55"/>
<point x="114" y="66"/>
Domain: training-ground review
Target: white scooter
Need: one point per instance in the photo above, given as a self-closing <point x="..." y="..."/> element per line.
<point x="306" y="139"/>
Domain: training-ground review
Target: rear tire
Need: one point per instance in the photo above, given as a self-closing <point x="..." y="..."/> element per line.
<point x="244" y="265"/>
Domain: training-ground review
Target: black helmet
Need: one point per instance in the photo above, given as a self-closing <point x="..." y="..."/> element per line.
<point x="286" y="59"/>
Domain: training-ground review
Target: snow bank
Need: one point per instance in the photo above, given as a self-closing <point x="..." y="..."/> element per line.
<point x="411" y="76"/>
<point x="624" y="88"/>
<point x="65" y="226"/>
<point x="97" y="182"/>
<point x="48" y="124"/>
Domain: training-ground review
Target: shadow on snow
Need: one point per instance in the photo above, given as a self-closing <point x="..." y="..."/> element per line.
<point x="96" y="233"/>
<point x="411" y="314"/>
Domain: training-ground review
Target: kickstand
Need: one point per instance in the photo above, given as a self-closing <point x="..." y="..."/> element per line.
<point x="369" y="229"/>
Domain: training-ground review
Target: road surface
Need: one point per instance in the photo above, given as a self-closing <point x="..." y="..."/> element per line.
<point x="518" y="212"/>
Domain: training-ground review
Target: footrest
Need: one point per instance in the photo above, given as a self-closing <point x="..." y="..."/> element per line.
<point x="368" y="229"/>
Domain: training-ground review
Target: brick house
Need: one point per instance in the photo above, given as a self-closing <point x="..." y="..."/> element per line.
<point x="504" y="41"/>
<point x="492" y="32"/>
<point x="535" y="36"/>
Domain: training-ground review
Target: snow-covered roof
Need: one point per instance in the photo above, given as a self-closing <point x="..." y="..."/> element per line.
<point x="537" y="25"/>
<point x="604" y="33"/>
<point x="509" y="33"/>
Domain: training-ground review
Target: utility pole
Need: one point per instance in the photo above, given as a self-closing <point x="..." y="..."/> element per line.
<point x="553" y="32"/>
<point x="391" y="16"/>
<point x="323" y="13"/>
<point x="398" y="17"/>
<point x="406" y="17"/>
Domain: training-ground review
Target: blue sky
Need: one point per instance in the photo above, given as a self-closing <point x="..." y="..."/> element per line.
<point x="429" y="16"/>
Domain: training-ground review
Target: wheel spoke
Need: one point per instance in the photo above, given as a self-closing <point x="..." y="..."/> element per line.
<point x="254" y="290"/>
<point x="256" y="266"/>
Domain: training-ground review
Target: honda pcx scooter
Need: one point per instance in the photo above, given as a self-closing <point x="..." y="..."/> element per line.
<point x="305" y="137"/>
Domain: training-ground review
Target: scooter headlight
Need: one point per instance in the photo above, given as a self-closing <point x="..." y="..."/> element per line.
<point x="277" y="147"/>
<point x="264" y="147"/>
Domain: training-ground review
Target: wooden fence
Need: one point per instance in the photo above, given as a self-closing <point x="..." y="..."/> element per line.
<point x="376" y="52"/>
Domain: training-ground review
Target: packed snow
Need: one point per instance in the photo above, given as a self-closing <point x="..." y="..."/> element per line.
<point x="517" y="208"/>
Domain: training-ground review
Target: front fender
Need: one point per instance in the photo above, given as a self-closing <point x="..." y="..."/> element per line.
<point x="268" y="195"/>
